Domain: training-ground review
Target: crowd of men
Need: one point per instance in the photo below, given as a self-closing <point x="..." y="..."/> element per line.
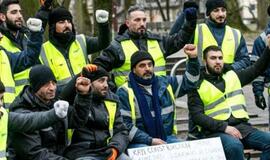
<point x="55" y="104"/>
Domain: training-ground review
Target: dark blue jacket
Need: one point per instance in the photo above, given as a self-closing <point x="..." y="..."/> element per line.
<point x="257" y="51"/>
<point x="180" y="85"/>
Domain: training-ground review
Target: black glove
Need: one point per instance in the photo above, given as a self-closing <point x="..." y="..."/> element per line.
<point x="46" y="3"/>
<point x="190" y="4"/>
<point x="190" y="13"/>
<point x="260" y="102"/>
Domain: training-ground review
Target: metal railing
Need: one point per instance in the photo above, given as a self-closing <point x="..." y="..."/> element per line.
<point x="176" y="65"/>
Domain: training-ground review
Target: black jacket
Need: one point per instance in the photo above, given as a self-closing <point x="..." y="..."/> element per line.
<point x="113" y="56"/>
<point x="31" y="121"/>
<point x="46" y="143"/>
<point x="196" y="107"/>
<point x="91" y="140"/>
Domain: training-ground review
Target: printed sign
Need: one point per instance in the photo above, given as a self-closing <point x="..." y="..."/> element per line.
<point x="204" y="149"/>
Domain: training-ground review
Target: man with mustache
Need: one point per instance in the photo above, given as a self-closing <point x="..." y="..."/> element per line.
<point x="15" y="36"/>
<point x="67" y="53"/>
<point x="148" y="100"/>
<point x="215" y="31"/>
<point x="116" y="57"/>
<point x="217" y="106"/>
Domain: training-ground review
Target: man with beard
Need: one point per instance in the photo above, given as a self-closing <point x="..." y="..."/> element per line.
<point x="15" y="36"/>
<point x="148" y="101"/>
<point x="66" y="53"/>
<point x="136" y="37"/>
<point x="215" y="31"/>
<point x="104" y="136"/>
<point x="218" y="108"/>
<point x="48" y="143"/>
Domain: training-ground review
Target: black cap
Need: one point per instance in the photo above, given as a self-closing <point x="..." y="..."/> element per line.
<point x="94" y="75"/>
<point x="139" y="56"/>
<point x="213" y="4"/>
<point x="59" y="14"/>
<point x="40" y="75"/>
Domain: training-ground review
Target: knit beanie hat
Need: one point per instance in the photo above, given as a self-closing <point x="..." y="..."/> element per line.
<point x="139" y="56"/>
<point x="40" y="75"/>
<point x="94" y="74"/>
<point x="212" y="4"/>
<point x="59" y="14"/>
<point x="189" y="4"/>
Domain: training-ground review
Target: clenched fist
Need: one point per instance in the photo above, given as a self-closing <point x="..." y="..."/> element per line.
<point x="61" y="108"/>
<point x="34" y="24"/>
<point x="190" y="50"/>
<point x="83" y="85"/>
<point x="102" y="16"/>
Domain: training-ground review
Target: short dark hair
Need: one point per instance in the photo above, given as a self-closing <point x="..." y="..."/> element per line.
<point x="135" y="8"/>
<point x="4" y="5"/>
<point x="210" y="48"/>
<point x="2" y="87"/>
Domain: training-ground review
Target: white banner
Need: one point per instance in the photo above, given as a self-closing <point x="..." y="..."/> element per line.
<point x="204" y="149"/>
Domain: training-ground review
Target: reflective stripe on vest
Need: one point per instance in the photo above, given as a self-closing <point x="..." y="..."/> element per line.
<point x="21" y="78"/>
<point x="111" y="108"/>
<point x="3" y="133"/>
<point x="204" y="38"/>
<point x="7" y="79"/>
<point x="121" y="73"/>
<point x="219" y="105"/>
<point x="131" y="98"/>
<point x="65" y="69"/>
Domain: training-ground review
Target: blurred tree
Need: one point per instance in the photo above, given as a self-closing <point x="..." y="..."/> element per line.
<point x="83" y="23"/>
<point x="128" y="3"/>
<point x="262" y="13"/>
<point x="234" y="17"/>
<point x="29" y="11"/>
<point x="105" y="5"/>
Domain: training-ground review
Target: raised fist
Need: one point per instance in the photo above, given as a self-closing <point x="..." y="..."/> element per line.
<point x="83" y="85"/>
<point x="34" y="24"/>
<point x="61" y="108"/>
<point x="190" y="50"/>
<point x="102" y="16"/>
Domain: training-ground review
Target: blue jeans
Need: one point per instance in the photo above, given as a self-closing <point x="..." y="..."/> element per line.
<point x="234" y="147"/>
<point x="170" y="139"/>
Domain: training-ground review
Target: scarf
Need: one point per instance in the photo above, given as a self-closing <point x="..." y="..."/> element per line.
<point x="153" y="125"/>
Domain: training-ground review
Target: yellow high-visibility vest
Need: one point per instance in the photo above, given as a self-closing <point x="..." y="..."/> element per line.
<point x="204" y="38"/>
<point x="221" y="106"/>
<point x="62" y="68"/>
<point x="7" y="79"/>
<point x="3" y="133"/>
<point x="111" y="108"/>
<point x="21" y="78"/>
<point x="121" y="73"/>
